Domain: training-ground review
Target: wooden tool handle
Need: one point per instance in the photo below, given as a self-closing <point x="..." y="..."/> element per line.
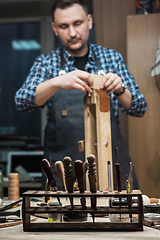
<point x="68" y="173"/>
<point x="118" y="176"/>
<point x="60" y="173"/>
<point x="47" y="169"/>
<point x="78" y="166"/>
<point x="93" y="183"/>
<point x="92" y="174"/>
<point x="85" y="168"/>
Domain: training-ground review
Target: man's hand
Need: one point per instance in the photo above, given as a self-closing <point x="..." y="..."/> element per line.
<point x="77" y="79"/>
<point x="111" y="83"/>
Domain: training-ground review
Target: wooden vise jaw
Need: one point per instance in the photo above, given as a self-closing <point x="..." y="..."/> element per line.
<point x="98" y="131"/>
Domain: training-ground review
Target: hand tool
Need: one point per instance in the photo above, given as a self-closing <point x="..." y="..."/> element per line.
<point x="8" y="213"/>
<point x="85" y="168"/>
<point x="60" y="173"/>
<point x="47" y="169"/>
<point x="92" y="175"/>
<point x="130" y="187"/>
<point x="10" y="205"/>
<point x="11" y="224"/>
<point x="127" y="186"/>
<point x="4" y="219"/>
<point x="118" y="175"/>
<point x="109" y="182"/>
<point x="130" y="179"/>
<point x="68" y="176"/>
<point x="118" y="171"/>
<point x="78" y="166"/>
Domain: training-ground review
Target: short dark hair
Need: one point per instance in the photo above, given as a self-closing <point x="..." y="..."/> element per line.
<point x="62" y="4"/>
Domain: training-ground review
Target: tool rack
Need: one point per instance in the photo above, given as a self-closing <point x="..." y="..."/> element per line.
<point x="129" y="209"/>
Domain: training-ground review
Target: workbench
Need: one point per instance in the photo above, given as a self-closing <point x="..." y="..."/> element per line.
<point x="16" y="232"/>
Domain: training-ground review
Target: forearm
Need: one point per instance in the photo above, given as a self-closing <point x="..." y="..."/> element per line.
<point x="45" y="91"/>
<point x="77" y="79"/>
<point x="138" y="105"/>
<point x="125" y="99"/>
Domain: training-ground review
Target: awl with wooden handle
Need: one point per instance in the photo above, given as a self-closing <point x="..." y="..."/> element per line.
<point x="47" y="169"/>
<point x="60" y="173"/>
<point x="85" y="168"/>
<point x="68" y="176"/>
<point x="78" y="166"/>
<point x="92" y="175"/>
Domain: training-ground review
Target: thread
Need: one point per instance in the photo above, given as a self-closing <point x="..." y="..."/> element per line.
<point x="13" y="186"/>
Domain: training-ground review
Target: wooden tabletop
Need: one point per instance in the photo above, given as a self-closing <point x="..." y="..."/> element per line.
<point x="16" y="232"/>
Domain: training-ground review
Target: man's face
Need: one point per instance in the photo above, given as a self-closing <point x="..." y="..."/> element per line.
<point x="72" y="26"/>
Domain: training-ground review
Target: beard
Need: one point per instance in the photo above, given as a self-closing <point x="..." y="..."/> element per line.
<point x="71" y="47"/>
<point x="74" y="50"/>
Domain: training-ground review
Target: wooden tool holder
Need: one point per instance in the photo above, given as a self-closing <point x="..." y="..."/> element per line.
<point x="98" y="224"/>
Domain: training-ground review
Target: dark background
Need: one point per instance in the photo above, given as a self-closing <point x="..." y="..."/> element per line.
<point x="14" y="68"/>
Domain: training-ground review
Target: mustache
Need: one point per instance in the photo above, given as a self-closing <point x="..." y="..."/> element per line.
<point x="74" y="38"/>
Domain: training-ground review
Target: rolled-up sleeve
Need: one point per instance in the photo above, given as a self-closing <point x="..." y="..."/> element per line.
<point x="138" y="104"/>
<point x="24" y="97"/>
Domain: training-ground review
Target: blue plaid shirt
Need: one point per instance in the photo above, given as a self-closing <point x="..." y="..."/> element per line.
<point x="48" y="66"/>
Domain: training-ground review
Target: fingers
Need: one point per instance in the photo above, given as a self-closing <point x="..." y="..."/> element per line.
<point x="111" y="83"/>
<point x="82" y="85"/>
<point x="82" y="81"/>
<point x="85" y="77"/>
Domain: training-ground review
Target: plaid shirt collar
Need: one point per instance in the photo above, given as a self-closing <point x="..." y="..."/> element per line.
<point x="70" y="59"/>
